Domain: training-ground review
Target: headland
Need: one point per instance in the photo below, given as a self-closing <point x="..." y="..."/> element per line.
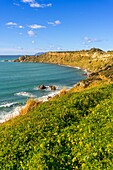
<point x="74" y="129"/>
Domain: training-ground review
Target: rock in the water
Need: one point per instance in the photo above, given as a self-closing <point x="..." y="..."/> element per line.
<point x="42" y="87"/>
<point x="52" y="87"/>
<point x="22" y="58"/>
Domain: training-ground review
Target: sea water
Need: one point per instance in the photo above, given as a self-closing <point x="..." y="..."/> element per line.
<point x="20" y="81"/>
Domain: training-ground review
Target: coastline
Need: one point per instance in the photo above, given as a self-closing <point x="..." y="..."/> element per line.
<point x="16" y="112"/>
<point x="87" y="72"/>
<point x="80" y="118"/>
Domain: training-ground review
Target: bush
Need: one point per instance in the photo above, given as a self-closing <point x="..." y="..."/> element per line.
<point x="72" y="132"/>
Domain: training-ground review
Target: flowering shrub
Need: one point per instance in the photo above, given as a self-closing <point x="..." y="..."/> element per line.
<point x="73" y="131"/>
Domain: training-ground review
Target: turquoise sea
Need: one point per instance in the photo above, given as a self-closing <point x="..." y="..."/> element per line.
<point x="20" y="81"/>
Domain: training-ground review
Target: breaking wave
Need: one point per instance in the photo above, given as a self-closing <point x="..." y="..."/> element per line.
<point x="26" y="94"/>
<point x="5" y="105"/>
<point x="6" y="116"/>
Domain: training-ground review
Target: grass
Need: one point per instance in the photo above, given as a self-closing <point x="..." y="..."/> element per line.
<point x="62" y="92"/>
<point x="73" y="131"/>
<point x="30" y="104"/>
<point x="92" y="60"/>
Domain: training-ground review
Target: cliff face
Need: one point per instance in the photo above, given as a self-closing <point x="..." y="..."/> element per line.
<point x="99" y="63"/>
<point x="92" y="60"/>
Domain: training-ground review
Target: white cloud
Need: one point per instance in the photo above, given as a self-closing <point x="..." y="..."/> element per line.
<point x="34" y="4"/>
<point x="11" y="24"/>
<point x="35" y="26"/>
<point x="16" y="4"/>
<point x="33" y="42"/>
<point x="27" y="1"/>
<point x="20" y="26"/>
<point x="57" y="22"/>
<point x="14" y="24"/>
<point x="55" y="48"/>
<point x="37" y="5"/>
<point x="48" y="5"/>
<point x="31" y="33"/>
<point x="88" y="40"/>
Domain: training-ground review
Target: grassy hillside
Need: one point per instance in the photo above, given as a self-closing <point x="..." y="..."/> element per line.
<point x="69" y="132"/>
<point x="73" y="131"/>
<point x="92" y="60"/>
<point x="99" y="63"/>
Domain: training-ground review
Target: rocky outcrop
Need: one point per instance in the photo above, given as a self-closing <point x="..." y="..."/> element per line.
<point x="21" y="59"/>
<point x="96" y="61"/>
<point x="83" y="84"/>
<point x="52" y="87"/>
<point x="92" y="60"/>
<point x="42" y="87"/>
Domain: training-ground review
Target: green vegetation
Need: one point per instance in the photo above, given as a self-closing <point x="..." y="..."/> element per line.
<point x="73" y="131"/>
<point x="92" y="60"/>
<point x="99" y="63"/>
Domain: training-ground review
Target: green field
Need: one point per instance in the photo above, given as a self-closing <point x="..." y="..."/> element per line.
<point x="71" y="131"/>
<point x="74" y="131"/>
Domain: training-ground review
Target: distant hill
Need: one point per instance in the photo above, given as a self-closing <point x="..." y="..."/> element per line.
<point x="39" y="53"/>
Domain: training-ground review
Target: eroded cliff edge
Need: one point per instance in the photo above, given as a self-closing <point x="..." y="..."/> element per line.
<point x="97" y="62"/>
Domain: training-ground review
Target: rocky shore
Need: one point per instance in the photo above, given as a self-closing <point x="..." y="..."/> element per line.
<point x="97" y="63"/>
<point x="71" y="131"/>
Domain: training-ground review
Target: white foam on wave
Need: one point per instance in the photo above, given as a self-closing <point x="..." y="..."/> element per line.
<point x="47" y="97"/>
<point x="6" y="116"/>
<point x="16" y="111"/>
<point x="4" y="105"/>
<point x="9" y="61"/>
<point x="2" y="61"/>
<point x="26" y="94"/>
<point x="52" y="93"/>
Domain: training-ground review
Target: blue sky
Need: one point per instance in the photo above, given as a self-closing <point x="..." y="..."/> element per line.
<point x="31" y="26"/>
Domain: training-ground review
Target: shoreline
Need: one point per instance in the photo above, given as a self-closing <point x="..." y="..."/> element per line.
<point x="16" y="112"/>
<point x="78" y="68"/>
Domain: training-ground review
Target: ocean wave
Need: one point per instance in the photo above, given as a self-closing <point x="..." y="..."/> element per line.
<point x="26" y="94"/>
<point x="9" y="61"/>
<point x="4" y="105"/>
<point x="6" y="116"/>
<point x="2" y="61"/>
<point x="50" y="95"/>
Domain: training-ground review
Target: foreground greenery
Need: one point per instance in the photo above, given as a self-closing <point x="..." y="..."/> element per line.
<point x="73" y="131"/>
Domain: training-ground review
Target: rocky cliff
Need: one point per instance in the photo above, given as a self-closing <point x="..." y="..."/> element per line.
<point x="98" y="62"/>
